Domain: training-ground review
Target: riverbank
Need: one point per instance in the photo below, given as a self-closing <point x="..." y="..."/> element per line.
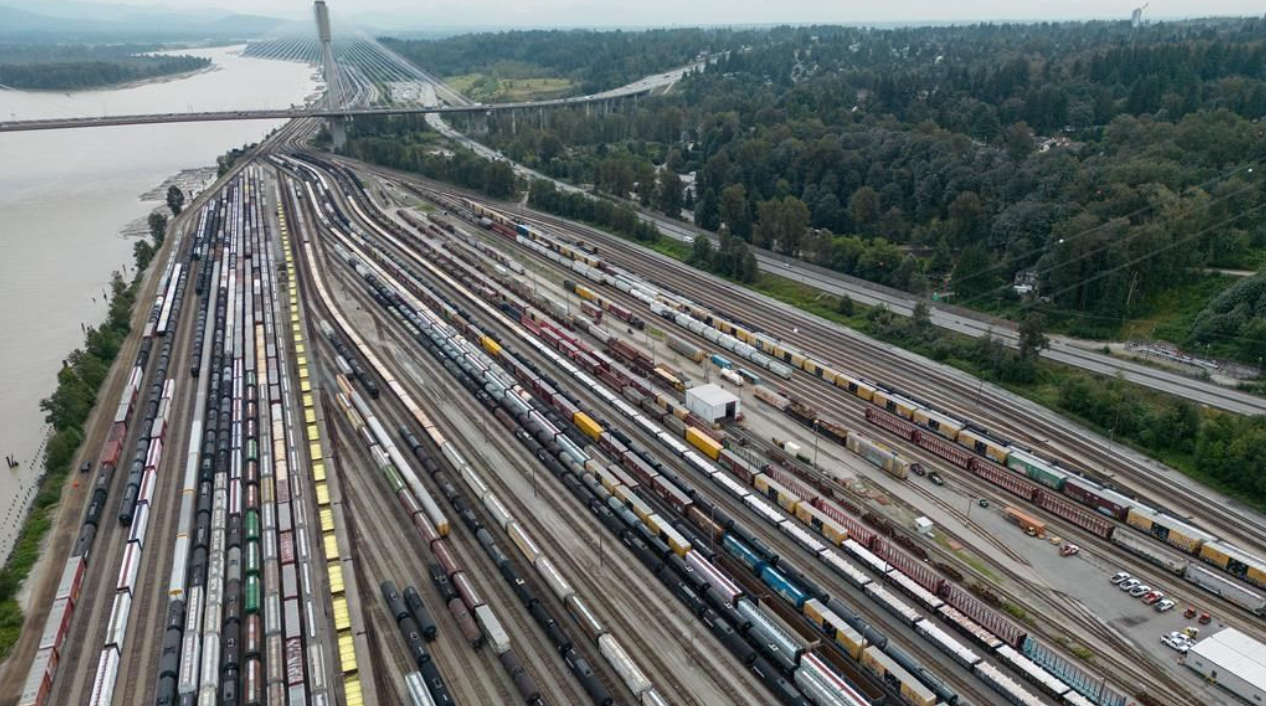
<point x="69" y="408"/>
<point x="71" y="206"/>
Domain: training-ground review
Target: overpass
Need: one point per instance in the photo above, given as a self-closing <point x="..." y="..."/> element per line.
<point x="316" y="112"/>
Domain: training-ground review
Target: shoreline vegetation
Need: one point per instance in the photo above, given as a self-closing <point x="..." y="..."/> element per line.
<point x="79" y="382"/>
<point x="77" y="67"/>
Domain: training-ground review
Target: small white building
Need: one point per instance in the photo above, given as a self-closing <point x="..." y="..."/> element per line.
<point x="1233" y="661"/>
<point x="712" y="402"/>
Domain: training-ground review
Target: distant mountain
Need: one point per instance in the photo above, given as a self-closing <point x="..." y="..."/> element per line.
<point x="65" y="20"/>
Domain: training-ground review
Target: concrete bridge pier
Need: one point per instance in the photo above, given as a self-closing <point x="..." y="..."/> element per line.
<point x="338" y="132"/>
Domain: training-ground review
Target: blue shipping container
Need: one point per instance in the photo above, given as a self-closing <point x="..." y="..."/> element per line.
<point x="721" y="361"/>
<point x="782" y="586"/>
<point x="743" y="553"/>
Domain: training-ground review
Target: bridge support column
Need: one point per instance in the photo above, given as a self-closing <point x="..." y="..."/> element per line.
<point x="338" y="133"/>
<point x="514" y="122"/>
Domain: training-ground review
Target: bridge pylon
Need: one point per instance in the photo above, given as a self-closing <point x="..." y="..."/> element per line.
<point x="338" y="132"/>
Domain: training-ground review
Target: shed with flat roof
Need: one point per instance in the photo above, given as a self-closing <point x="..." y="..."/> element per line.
<point x="1233" y="661"/>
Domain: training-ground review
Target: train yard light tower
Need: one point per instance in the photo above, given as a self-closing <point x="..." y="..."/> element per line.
<point x="338" y="129"/>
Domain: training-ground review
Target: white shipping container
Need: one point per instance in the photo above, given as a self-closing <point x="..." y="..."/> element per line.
<point x="129" y="568"/>
<point x="845" y="568"/>
<point x="116" y="629"/>
<point x="557" y="584"/>
<point x="493" y="631"/>
<point x="140" y="523"/>
<point x="106" y="678"/>
<point x="629" y="672"/>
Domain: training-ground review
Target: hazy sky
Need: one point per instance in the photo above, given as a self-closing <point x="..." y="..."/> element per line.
<point x="691" y="12"/>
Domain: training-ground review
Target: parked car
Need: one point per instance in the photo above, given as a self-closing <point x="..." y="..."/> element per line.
<point x="1176" y="641"/>
<point x="1164" y="605"/>
<point x="1190" y="612"/>
<point x="1129" y="585"/>
<point x="1119" y="577"/>
<point x="1152" y="597"/>
<point x="1140" y="590"/>
<point x="1205" y="618"/>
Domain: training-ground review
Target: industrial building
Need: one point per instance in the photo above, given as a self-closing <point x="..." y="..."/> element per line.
<point x="712" y="403"/>
<point x="1233" y="661"/>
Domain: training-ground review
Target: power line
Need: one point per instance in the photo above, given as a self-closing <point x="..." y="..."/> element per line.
<point x="1128" y="216"/>
<point x="1098" y="250"/>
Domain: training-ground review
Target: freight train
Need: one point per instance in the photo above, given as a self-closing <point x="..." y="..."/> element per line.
<point x="943" y="425"/>
<point x="775" y="355"/>
<point x="690" y="505"/>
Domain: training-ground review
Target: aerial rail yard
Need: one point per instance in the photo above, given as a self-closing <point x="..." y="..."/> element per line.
<point x="375" y="440"/>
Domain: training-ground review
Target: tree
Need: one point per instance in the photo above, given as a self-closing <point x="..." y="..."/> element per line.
<point x="645" y="188"/>
<point x="863" y="207"/>
<point x="499" y="179"/>
<point x="942" y="258"/>
<point x="966" y="217"/>
<point x="751" y="269"/>
<point x="921" y="316"/>
<point x="668" y="196"/>
<point x="735" y="211"/>
<point x="1019" y="140"/>
<point x="973" y="275"/>
<point x="1033" y="338"/>
<point x="158" y="228"/>
<point x="701" y="252"/>
<point x="782" y="224"/>
<point x="707" y="211"/>
<point x="175" y="199"/>
<point x="846" y="306"/>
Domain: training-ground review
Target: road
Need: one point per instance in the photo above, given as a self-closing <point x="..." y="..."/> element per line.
<point x="1063" y="350"/>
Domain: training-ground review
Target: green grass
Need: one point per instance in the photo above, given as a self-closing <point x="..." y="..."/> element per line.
<point x="489" y="88"/>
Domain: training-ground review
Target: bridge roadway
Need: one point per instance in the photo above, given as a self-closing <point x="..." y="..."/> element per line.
<point x="291" y="113"/>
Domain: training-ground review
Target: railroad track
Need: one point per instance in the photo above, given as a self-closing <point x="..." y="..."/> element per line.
<point x="946" y="388"/>
<point x="786" y="548"/>
<point x="580" y="577"/>
<point x="1111" y="639"/>
<point x="541" y="654"/>
<point x="394" y="556"/>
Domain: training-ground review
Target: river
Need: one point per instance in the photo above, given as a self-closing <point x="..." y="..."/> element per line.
<point x="66" y="196"/>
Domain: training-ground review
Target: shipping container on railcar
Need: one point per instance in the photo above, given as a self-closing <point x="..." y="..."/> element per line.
<point x="1036" y="468"/>
<point x="1226" y="587"/>
<point x="1235" y="562"/>
<point x="897" y="678"/>
<point x="979" y="441"/>
<point x="1168" y="529"/>
<point x="1088" y="492"/>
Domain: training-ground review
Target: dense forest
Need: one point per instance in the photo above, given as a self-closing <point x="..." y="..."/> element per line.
<point x="1108" y="165"/>
<point x="77" y="66"/>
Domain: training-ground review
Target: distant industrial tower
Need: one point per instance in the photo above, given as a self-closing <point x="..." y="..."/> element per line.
<point x="338" y="131"/>
<point x="1136" y="17"/>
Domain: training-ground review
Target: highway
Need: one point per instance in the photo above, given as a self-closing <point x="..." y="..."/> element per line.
<point x="1063" y="350"/>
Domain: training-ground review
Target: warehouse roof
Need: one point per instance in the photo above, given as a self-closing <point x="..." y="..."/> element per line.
<point x="1237" y="653"/>
<point x="712" y="395"/>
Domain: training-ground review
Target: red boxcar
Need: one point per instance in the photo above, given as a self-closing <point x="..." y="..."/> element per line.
<point x="1079" y="516"/>
<point x="891" y="422"/>
<point x="1007" y="480"/>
